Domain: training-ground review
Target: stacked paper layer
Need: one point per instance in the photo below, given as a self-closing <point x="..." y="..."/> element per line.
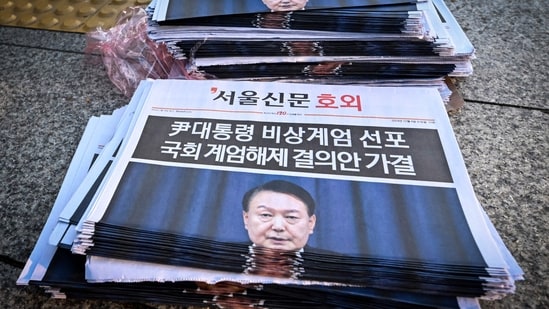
<point x="272" y="195"/>
<point x="322" y="41"/>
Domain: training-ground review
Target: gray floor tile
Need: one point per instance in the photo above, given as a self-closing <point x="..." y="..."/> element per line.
<point x="49" y="92"/>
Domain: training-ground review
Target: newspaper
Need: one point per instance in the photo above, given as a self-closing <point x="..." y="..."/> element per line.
<point x="104" y="270"/>
<point x="164" y="141"/>
<point x="98" y="145"/>
<point x="98" y="133"/>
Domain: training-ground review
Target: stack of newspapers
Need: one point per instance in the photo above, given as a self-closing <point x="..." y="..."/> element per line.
<point x="322" y="41"/>
<point x="373" y="42"/>
<point x="232" y="194"/>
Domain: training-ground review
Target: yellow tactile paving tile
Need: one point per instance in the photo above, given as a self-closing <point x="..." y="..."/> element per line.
<point x="63" y="15"/>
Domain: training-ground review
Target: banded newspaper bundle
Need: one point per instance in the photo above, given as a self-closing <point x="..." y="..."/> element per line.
<point x="351" y="41"/>
<point x="272" y="195"/>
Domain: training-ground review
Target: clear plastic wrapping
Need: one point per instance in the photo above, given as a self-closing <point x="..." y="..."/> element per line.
<point x="130" y="56"/>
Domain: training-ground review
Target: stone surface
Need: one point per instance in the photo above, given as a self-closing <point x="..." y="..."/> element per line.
<point x="49" y="91"/>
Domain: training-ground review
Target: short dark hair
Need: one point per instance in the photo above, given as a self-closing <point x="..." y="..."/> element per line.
<point x="281" y="186"/>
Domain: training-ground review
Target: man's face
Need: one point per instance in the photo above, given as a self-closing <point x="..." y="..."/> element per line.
<point x="285" y="5"/>
<point x="278" y="221"/>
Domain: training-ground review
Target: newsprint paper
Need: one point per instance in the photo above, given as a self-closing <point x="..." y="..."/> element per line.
<point x="374" y="160"/>
<point x="393" y="210"/>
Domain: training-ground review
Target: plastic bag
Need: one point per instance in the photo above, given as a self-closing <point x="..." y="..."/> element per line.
<point x="130" y="56"/>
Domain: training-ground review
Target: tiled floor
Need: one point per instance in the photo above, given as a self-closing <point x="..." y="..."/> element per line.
<point x="63" y="15"/>
<point x="49" y="90"/>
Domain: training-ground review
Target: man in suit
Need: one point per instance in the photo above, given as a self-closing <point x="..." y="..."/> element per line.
<point x="279" y="217"/>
